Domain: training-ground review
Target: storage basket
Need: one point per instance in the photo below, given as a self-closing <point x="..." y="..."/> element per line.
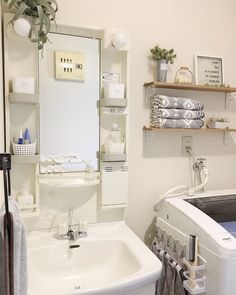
<point x="115" y="148"/>
<point x="24" y="149"/>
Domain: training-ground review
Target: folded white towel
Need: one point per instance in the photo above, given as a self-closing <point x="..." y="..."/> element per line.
<point x="19" y="247"/>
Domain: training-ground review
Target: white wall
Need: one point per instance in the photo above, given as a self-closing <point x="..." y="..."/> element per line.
<point x="204" y="27"/>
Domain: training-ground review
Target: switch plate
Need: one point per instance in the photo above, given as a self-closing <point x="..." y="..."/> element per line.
<point x="69" y="65"/>
<point x="187" y="143"/>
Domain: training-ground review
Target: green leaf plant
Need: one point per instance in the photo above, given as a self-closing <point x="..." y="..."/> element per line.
<point x="159" y="53"/>
<point x="40" y="14"/>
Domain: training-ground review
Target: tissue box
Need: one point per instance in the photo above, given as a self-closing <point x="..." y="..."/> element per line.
<point x="112" y="90"/>
<point x="26" y="201"/>
<point x="217" y="123"/>
<point x="23" y="85"/>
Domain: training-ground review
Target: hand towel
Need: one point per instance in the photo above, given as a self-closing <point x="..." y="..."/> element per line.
<point x="176" y="113"/>
<point x="170" y="281"/>
<point x="178" y="123"/>
<point x="169" y="102"/>
<point x="19" y="247"/>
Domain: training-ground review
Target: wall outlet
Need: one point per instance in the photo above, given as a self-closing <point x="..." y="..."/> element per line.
<point x="187" y="145"/>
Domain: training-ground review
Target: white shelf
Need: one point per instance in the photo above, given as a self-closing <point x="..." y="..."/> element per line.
<point x="35" y="213"/>
<point x="105" y="157"/>
<point x="26" y="159"/>
<point x="113" y="102"/>
<point x="23" y="98"/>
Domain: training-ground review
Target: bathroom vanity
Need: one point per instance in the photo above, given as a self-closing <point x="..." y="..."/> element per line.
<point x="77" y="171"/>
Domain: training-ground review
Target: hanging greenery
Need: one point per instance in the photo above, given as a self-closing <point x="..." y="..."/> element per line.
<point x="40" y="14"/>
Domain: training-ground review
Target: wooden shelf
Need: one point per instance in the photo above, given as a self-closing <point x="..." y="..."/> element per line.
<point x="188" y="129"/>
<point x="179" y="86"/>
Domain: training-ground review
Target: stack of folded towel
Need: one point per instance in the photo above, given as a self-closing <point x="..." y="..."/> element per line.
<point x="176" y="112"/>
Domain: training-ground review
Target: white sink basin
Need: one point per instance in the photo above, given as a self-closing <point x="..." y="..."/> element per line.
<point x="111" y="260"/>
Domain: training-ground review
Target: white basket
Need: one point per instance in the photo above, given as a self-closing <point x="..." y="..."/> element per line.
<point x="115" y="148"/>
<point x="24" y="149"/>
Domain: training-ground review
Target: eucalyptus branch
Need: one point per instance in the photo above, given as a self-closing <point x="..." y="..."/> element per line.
<point x="159" y="53"/>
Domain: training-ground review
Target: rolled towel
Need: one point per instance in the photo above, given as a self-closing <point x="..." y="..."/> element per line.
<point x="169" y="102"/>
<point x="176" y="113"/>
<point x="176" y="123"/>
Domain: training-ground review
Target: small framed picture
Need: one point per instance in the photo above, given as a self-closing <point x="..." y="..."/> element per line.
<point x="208" y="70"/>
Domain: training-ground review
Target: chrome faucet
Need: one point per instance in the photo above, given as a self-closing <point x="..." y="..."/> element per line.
<point x="71" y="234"/>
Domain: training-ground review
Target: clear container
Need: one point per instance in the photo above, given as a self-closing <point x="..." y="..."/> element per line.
<point x="115" y="134"/>
<point x="184" y="75"/>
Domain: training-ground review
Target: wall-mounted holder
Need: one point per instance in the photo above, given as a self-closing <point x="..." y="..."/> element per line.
<point x="195" y="282"/>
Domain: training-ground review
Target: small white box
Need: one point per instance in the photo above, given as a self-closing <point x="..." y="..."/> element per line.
<point x="23" y="85"/>
<point x="26" y="201"/>
<point x="113" y="90"/>
<point x="221" y="125"/>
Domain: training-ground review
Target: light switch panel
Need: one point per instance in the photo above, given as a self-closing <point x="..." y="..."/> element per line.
<point x="69" y="65"/>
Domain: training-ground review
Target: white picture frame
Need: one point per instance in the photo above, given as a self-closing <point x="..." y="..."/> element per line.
<point x="208" y="70"/>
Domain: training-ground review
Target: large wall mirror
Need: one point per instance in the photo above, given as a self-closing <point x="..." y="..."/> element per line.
<point x="69" y="88"/>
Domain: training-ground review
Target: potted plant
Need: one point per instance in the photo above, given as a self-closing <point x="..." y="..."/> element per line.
<point x="32" y="18"/>
<point x="163" y="57"/>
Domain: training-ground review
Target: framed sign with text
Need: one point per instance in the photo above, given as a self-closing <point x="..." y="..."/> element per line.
<point x="208" y="70"/>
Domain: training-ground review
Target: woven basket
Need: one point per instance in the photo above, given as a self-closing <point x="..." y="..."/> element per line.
<point x="24" y="149"/>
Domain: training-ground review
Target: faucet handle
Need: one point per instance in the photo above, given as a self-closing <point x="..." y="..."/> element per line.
<point x="83" y="228"/>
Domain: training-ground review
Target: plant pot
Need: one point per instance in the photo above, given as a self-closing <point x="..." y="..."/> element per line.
<point x="162" y="70"/>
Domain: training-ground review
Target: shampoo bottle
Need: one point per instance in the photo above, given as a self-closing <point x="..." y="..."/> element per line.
<point x="20" y="139"/>
<point x="27" y="138"/>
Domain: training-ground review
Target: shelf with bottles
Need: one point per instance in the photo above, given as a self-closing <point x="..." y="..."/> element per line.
<point x="113" y="148"/>
<point x="26" y="190"/>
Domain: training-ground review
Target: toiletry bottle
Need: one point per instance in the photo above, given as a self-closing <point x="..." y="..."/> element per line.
<point x="27" y="138"/>
<point x="20" y="140"/>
